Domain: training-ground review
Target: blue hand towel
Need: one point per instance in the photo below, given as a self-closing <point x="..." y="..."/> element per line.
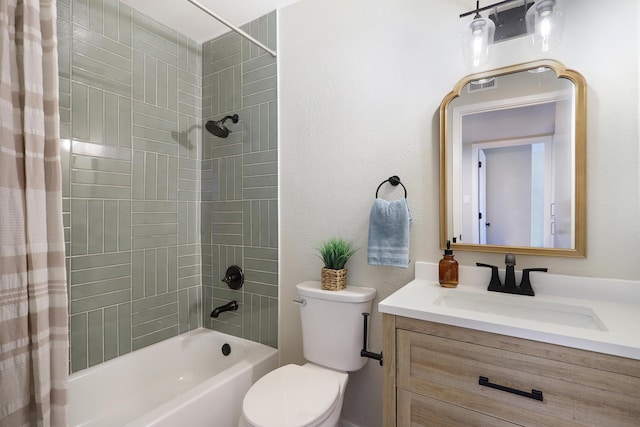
<point x="389" y="233"/>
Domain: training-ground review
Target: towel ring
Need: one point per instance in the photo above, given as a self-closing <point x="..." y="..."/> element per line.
<point x="393" y="180"/>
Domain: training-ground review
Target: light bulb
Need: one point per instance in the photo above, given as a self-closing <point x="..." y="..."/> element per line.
<point x="545" y="22"/>
<point x="477" y="35"/>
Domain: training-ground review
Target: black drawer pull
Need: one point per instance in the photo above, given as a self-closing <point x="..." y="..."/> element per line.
<point x="535" y="394"/>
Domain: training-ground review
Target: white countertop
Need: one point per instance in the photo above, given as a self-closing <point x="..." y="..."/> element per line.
<point x="615" y="303"/>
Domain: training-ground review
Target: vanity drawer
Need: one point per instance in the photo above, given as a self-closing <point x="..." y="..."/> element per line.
<point x="418" y="410"/>
<point x="448" y="370"/>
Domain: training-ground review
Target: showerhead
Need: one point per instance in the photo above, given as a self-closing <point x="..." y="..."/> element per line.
<point x="217" y="127"/>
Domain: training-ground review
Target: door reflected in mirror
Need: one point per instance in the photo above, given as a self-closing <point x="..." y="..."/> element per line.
<point x="513" y="161"/>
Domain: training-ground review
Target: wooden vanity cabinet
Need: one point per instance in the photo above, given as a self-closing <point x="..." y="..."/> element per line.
<point x="432" y="371"/>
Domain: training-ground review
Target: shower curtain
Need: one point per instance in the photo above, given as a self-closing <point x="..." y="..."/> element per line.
<point x="33" y="294"/>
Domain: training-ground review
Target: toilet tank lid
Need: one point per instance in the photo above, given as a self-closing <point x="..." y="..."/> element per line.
<point x="314" y="289"/>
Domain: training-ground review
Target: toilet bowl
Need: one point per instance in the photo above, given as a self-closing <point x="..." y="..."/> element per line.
<point x="311" y="395"/>
<point x="295" y="396"/>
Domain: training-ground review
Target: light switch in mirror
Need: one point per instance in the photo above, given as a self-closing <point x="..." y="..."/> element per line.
<point x="513" y="161"/>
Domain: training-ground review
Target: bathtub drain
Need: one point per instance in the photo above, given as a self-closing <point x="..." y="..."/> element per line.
<point x="226" y="349"/>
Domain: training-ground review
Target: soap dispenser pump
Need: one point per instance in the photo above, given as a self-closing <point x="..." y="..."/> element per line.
<point x="448" y="269"/>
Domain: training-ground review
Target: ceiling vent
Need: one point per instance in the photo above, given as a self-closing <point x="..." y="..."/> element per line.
<point x="482" y="85"/>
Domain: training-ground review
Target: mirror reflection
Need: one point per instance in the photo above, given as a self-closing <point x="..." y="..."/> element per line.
<point x="512" y="161"/>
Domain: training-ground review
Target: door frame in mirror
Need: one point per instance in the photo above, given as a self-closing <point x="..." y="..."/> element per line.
<point x="580" y="219"/>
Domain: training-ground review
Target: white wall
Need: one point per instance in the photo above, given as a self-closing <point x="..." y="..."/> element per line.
<point x="360" y="86"/>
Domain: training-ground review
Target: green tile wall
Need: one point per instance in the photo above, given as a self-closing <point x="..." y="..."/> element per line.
<point x="131" y="107"/>
<point x="154" y="207"/>
<point x="239" y="182"/>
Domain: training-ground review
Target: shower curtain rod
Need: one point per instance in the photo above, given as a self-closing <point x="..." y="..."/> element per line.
<point x="232" y="27"/>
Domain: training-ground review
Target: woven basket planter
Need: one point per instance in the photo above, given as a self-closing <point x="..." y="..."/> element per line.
<point x="334" y="280"/>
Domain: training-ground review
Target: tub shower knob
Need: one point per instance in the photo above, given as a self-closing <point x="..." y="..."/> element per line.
<point x="234" y="277"/>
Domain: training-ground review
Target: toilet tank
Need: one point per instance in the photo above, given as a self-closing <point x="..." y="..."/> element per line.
<point x="332" y="324"/>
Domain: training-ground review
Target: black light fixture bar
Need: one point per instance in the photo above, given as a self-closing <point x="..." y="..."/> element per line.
<point x="482" y="9"/>
<point x="510" y="23"/>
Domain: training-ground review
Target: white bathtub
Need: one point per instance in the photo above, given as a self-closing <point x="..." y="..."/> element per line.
<point x="183" y="381"/>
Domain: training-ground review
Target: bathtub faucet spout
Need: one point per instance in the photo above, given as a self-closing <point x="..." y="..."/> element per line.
<point x="230" y="306"/>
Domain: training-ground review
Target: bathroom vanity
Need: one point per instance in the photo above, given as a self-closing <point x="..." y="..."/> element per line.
<point x="470" y="357"/>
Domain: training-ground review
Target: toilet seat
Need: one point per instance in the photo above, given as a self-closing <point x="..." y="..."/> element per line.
<point x="291" y="396"/>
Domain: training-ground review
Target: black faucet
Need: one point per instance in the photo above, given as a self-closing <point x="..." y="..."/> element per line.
<point x="510" y="278"/>
<point x="510" y="275"/>
<point x="230" y="306"/>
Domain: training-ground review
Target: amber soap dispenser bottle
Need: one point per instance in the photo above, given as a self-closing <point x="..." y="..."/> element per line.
<point x="448" y="269"/>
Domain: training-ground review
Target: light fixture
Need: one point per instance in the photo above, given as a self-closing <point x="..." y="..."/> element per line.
<point x="542" y="20"/>
<point x="477" y="35"/>
<point x="545" y="23"/>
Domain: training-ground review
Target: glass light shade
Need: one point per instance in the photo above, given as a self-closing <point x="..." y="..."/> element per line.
<point x="545" y="23"/>
<point x="477" y="35"/>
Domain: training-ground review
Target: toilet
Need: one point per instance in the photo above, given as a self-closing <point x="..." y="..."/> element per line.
<point x="311" y="395"/>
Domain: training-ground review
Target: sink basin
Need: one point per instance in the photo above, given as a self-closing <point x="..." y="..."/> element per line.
<point x="516" y="307"/>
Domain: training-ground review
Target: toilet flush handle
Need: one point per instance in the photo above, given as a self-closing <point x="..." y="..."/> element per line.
<point x="300" y="301"/>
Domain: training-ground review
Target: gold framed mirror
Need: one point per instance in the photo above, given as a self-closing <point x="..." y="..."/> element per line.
<point x="513" y="161"/>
